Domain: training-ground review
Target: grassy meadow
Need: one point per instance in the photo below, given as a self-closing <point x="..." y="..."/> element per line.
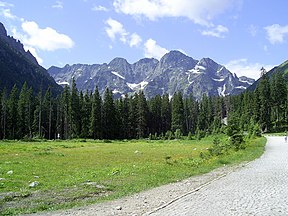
<point x="45" y="176"/>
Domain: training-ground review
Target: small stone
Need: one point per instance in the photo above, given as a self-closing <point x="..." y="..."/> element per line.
<point x="119" y="208"/>
<point x="36" y="177"/>
<point x="2" y="179"/>
<point x="10" y="172"/>
<point x="34" y="184"/>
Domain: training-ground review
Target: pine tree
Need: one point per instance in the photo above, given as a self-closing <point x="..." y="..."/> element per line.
<point x="86" y="115"/>
<point x="132" y="123"/>
<point x="155" y="121"/>
<point x="65" y="107"/>
<point x="23" y="111"/>
<point x="178" y="120"/>
<point x="264" y="102"/>
<point x="278" y="99"/>
<point x="166" y="114"/>
<point x="74" y="109"/>
<point x="96" y="116"/>
<point x="47" y="113"/>
<point x="13" y="114"/>
<point x="109" y="116"/>
<point x="142" y="115"/>
<point x="4" y="113"/>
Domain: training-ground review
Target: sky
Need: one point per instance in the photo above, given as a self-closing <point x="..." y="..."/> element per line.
<point x="242" y="35"/>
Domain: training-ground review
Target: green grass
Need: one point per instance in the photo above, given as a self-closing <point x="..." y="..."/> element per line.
<point x="75" y="173"/>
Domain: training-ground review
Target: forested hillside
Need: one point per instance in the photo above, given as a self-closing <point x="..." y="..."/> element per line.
<point x="75" y="114"/>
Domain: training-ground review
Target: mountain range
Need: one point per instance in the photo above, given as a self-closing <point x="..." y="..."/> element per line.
<point x="174" y="72"/>
<point x="18" y="66"/>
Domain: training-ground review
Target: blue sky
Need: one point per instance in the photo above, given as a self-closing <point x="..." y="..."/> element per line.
<point x="243" y="35"/>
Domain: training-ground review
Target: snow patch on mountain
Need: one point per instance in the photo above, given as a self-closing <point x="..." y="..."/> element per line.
<point x="63" y="83"/>
<point x="218" y="80"/>
<point x="137" y="86"/>
<point x="117" y="74"/>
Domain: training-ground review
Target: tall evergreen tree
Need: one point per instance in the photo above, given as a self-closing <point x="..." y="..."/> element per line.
<point x="166" y="114"/>
<point x="142" y="115"/>
<point x="264" y="102"/>
<point x="178" y="120"/>
<point x="85" y="115"/>
<point x="4" y="113"/>
<point x="109" y="116"/>
<point x="74" y="109"/>
<point x="132" y="123"/>
<point x="65" y="109"/>
<point x="96" y="116"/>
<point x="13" y="113"/>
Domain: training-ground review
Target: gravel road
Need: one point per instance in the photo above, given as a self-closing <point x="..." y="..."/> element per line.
<point x="257" y="188"/>
<point x="261" y="188"/>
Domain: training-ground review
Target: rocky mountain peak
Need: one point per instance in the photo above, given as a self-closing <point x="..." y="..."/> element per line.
<point x="3" y="32"/>
<point x="174" y="72"/>
<point x="16" y="44"/>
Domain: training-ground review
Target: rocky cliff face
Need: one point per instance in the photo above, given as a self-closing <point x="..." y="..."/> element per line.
<point x="174" y="72"/>
<point x="18" y="66"/>
<point x="16" y="44"/>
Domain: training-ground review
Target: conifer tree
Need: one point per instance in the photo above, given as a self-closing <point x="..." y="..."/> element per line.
<point x="178" y="121"/>
<point x="132" y="118"/>
<point x="85" y="115"/>
<point x="166" y="114"/>
<point x="74" y="109"/>
<point x="96" y="116"/>
<point x="12" y="113"/>
<point x="142" y="115"/>
<point x="38" y="115"/>
<point x="155" y="123"/>
<point x="109" y="116"/>
<point x="65" y="106"/>
<point x="264" y="102"/>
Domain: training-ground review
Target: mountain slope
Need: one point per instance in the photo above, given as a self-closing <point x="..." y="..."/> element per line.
<point x="282" y="68"/>
<point x="18" y="66"/>
<point x="174" y="72"/>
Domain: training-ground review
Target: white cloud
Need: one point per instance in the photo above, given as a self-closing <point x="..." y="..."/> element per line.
<point x="242" y="67"/>
<point x="7" y="13"/>
<point x="99" y="8"/>
<point x="276" y="33"/>
<point x="47" y="39"/>
<point x="253" y="30"/>
<point x="5" y="4"/>
<point x="58" y="5"/>
<point x="199" y="11"/>
<point x="217" y="31"/>
<point x="115" y="29"/>
<point x="135" y="40"/>
<point x="153" y="50"/>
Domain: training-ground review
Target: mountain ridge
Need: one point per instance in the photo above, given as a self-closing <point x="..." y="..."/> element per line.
<point x="18" y="66"/>
<point x="174" y="72"/>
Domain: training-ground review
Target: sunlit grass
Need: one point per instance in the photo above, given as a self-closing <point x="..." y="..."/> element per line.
<point x="74" y="172"/>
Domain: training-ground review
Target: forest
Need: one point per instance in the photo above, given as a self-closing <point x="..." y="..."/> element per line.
<point x="77" y="114"/>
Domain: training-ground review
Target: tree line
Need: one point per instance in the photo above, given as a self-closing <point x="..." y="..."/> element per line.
<point x="77" y="114"/>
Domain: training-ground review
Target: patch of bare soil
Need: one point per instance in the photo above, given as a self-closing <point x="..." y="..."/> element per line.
<point x="148" y="201"/>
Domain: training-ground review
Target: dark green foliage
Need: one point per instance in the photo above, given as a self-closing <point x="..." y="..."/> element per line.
<point x="235" y="134"/>
<point x="74" y="114"/>
<point x="178" y="120"/>
<point x="96" y="116"/>
<point x="109" y="118"/>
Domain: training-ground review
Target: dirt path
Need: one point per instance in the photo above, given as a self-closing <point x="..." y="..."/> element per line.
<point x="261" y="188"/>
<point x="150" y="201"/>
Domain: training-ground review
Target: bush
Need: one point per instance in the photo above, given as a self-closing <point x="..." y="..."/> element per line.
<point x="178" y="134"/>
